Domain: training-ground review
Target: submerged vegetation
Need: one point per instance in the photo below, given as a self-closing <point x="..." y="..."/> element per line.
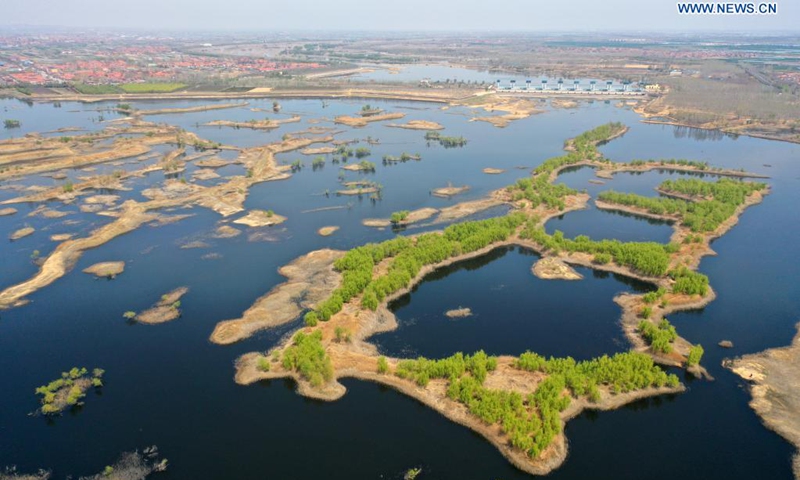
<point x="446" y="142"/>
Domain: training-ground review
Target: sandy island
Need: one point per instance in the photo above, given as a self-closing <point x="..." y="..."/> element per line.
<point x="773" y="377"/>
<point x="165" y="310"/>
<point x="549" y="268"/>
<point x="105" y="269"/>
<point x="327" y="231"/>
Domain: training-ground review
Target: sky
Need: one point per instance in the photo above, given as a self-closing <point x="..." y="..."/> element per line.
<point x="394" y="15"/>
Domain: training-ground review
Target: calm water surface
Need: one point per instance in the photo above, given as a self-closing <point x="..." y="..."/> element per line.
<point x="167" y="385"/>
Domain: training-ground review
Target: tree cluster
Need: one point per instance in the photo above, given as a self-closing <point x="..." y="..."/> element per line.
<point x="307" y="356"/>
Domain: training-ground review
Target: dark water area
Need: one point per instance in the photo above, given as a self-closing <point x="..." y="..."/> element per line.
<point x="168" y="385"/>
<point x="512" y="311"/>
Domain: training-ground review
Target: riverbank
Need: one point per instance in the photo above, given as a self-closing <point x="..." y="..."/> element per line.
<point x="772" y="376"/>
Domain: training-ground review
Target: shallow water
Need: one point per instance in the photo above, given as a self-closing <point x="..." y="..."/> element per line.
<point x="167" y="385"/>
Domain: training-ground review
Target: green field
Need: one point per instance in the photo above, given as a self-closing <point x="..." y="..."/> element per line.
<point x="151" y="87"/>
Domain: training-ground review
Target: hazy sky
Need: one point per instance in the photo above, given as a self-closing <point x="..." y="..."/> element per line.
<point x="494" y="15"/>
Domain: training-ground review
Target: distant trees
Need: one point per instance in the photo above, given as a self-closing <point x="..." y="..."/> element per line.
<point x="362" y="152"/>
<point x="648" y="258"/>
<point x="12" y="123"/>
<point x="716" y="201"/>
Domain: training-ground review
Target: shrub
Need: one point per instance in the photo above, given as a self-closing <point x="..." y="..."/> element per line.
<point x="383" y="365"/>
<point x="695" y="355"/>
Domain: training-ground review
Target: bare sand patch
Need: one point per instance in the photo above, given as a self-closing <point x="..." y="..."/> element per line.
<point x="260" y="218"/>
<point x="774" y="378"/>
<point x="417" y="125"/>
<point x="310" y="279"/>
<point x="21" y="233"/>
<point x="105" y="269"/>
<point x="327" y="231"/>
<point x="549" y="268"/>
<point x="165" y="310"/>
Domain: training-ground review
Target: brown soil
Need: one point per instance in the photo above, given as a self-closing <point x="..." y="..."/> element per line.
<point x="201" y="108"/>
<point x="417" y="125"/>
<point x="550" y="268"/>
<point x="22" y="232"/>
<point x="7" y="211"/>
<point x="357" y="191"/>
<point x="458" y="313"/>
<point x="212" y="163"/>
<point x="106" y="269"/>
<point x="449" y="191"/>
<point x="260" y="218"/>
<point x="310" y="279"/>
<point x="257" y="125"/>
<point x="775" y="389"/>
<point x="318" y="151"/>
<point x="327" y="231"/>
<point x="226" y="231"/>
<point x="363" y="121"/>
<point x="164" y="310"/>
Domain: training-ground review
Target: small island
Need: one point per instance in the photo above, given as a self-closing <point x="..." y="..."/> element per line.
<point x="105" y="269"/>
<point x="69" y="390"/>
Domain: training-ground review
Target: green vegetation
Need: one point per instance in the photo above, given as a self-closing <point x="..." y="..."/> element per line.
<point x="408" y="255"/>
<point x="717" y="201"/>
<point x="68" y="187"/>
<point x="262" y="364"/>
<point x="404" y="157"/>
<point x="533" y="421"/>
<point x="108" y="471"/>
<point x="648" y="258"/>
<point x="366" y="166"/>
<point x="68" y="390"/>
<point x="398" y="217"/>
<point x="539" y="191"/>
<point x="151" y="87"/>
<point x="446" y="142"/>
<point x="87" y="89"/>
<point x="11" y="123"/>
<point x="130" y="315"/>
<point x="307" y="356"/>
<point x="695" y="355"/>
<point x="383" y="365"/>
<point x="342" y="335"/>
<point x="689" y="282"/>
<point x="297" y="165"/>
<point x="653" y="297"/>
<point x="660" y="337"/>
<point x="624" y="372"/>
<point x="317" y="163"/>
<point x="362" y="152"/>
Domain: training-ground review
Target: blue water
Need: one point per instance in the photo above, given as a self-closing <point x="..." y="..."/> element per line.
<point x="167" y="385"/>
